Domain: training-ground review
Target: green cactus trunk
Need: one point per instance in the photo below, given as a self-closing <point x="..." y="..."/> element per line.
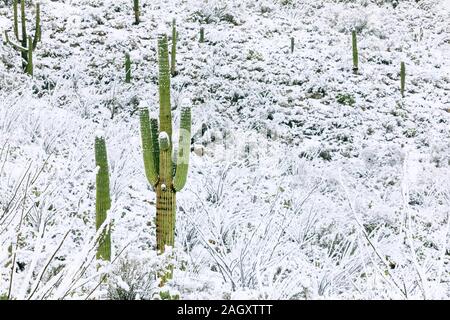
<point x="165" y="175"/>
<point x="173" y="52"/>
<point x="165" y="198"/>
<point x="402" y="78"/>
<point x="24" y="36"/>
<point x="103" y="199"/>
<point x="136" y="11"/>
<point x="355" y="52"/>
<point x="165" y="218"/>
<point x="202" y="35"/>
<point x="127" y="68"/>
<point x="165" y="117"/>
<point x="29" y="64"/>
<point x="16" y="19"/>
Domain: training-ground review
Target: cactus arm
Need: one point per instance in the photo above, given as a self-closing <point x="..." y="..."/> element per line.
<point x="174" y="160"/>
<point x="24" y="39"/>
<point x="354" y="51"/>
<point x="154" y="131"/>
<point x="165" y="159"/>
<point x="16" y="20"/>
<point x="165" y="117"/>
<point x="148" y="148"/>
<point x="23" y="23"/>
<point x="173" y="53"/>
<point x="164" y="141"/>
<point x="184" y="148"/>
<point x="37" y="32"/>
<point x="103" y="199"/>
<point x="12" y="44"/>
<point x="30" y="57"/>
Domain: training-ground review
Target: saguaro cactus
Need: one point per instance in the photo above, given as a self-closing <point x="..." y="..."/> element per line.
<point x="165" y="167"/>
<point x="127" y="68"/>
<point x="202" y="35"/>
<point x="402" y="78"/>
<point x="103" y="199"/>
<point x="173" y="52"/>
<point x="355" y="52"/>
<point x="26" y="44"/>
<point x="136" y="11"/>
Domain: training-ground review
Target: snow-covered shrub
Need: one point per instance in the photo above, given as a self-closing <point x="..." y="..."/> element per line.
<point x="214" y="11"/>
<point x="132" y="279"/>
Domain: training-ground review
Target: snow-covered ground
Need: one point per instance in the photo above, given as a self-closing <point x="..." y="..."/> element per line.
<point x="306" y="181"/>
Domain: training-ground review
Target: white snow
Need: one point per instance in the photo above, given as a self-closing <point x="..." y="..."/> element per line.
<point x="293" y="192"/>
<point x="99" y="133"/>
<point x="163" y="136"/>
<point x="162" y="29"/>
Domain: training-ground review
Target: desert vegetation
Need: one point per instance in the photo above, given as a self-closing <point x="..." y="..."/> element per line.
<point x="205" y="149"/>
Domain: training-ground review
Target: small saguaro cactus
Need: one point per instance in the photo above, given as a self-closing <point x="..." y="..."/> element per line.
<point x="202" y="35"/>
<point x="136" y="11"/>
<point x="127" y="68"/>
<point x="165" y="167"/>
<point x="292" y="44"/>
<point x="25" y="43"/>
<point x="355" y="52"/>
<point x="173" y="52"/>
<point x="402" y="78"/>
<point x="103" y="199"/>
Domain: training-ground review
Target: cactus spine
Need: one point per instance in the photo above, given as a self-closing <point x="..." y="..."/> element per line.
<point x="402" y="78"/>
<point x="127" y="68"/>
<point x="103" y="200"/>
<point x="202" y="35"/>
<point x="136" y="11"/>
<point x="160" y="158"/>
<point x="25" y="44"/>
<point x="355" y="52"/>
<point x="173" y="52"/>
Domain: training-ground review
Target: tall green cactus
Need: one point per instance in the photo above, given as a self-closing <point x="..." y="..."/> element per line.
<point x="26" y="44"/>
<point x="166" y="168"/>
<point x="355" y="52"/>
<point x="202" y="35"/>
<point x="127" y="68"/>
<point x="173" y="52"/>
<point x="103" y="199"/>
<point x="136" y="11"/>
<point x="402" y="78"/>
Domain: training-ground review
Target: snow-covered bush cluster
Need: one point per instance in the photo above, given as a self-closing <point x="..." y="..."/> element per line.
<point x="306" y="181"/>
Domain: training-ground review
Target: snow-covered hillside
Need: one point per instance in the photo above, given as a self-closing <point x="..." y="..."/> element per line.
<point x="306" y="181"/>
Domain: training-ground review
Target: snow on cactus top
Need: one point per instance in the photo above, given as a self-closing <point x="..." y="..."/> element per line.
<point x="161" y="29"/>
<point x="163" y="136"/>
<point x="99" y="133"/>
